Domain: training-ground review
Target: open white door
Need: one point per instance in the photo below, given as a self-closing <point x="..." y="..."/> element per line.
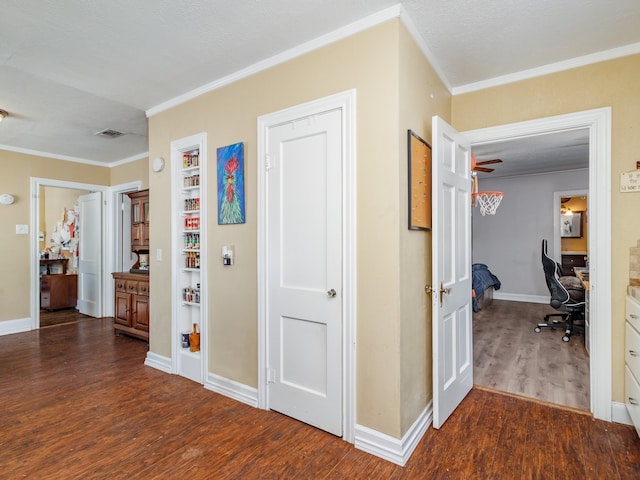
<point x="451" y="274"/>
<point x="90" y="259"/>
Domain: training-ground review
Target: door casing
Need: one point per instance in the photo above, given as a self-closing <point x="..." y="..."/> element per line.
<point x="346" y="102"/>
<point x="598" y="122"/>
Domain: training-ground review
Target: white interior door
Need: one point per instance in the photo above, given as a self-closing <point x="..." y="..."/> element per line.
<point x="304" y="293"/>
<point x="451" y="274"/>
<point x="90" y="258"/>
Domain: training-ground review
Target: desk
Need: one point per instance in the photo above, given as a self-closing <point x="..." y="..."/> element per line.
<point x="47" y="262"/>
<point x="583" y="276"/>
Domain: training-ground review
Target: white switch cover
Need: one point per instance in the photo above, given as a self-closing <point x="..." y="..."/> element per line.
<point x="22" y="229"/>
<point x="159" y="254"/>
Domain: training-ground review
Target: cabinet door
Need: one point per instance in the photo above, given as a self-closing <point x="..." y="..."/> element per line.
<point x="123" y="309"/>
<point x="140" y="314"/>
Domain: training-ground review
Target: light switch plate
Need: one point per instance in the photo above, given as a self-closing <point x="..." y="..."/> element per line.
<point x="22" y="229"/>
<point x="159" y="254"/>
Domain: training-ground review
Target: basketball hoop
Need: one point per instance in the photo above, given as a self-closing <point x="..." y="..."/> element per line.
<point x="488" y="201"/>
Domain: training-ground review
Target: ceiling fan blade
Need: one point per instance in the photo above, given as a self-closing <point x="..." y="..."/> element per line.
<point x="483" y="169"/>
<point x="487" y="162"/>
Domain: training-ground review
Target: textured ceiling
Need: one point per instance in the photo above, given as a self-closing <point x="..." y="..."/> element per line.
<point x="70" y="68"/>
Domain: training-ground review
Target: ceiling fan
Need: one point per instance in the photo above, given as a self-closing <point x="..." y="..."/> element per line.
<point x="478" y="166"/>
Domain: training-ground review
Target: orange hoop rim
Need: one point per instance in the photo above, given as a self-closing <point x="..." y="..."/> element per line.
<point x="488" y="193"/>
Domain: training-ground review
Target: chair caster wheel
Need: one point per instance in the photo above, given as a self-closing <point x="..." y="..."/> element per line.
<point x="537" y="329"/>
<point x="565" y="339"/>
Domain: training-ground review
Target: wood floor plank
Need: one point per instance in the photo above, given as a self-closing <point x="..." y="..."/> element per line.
<point x="78" y="402"/>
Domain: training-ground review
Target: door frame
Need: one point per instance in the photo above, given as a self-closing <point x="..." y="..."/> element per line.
<point x="598" y="122"/>
<point x="346" y="102"/>
<point x="36" y="183"/>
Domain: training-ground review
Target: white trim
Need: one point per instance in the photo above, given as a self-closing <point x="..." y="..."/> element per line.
<point x="549" y="69"/>
<point x="619" y="413"/>
<point x="345" y="101"/>
<point x="106" y="254"/>
<point x="178" y="147"/>
<point x="232" y="389"/>
<point x="8" y="327"/>
<point x="598" y="121"/>
<point x="67" y="158"/>
<point x="390" y="448"/>
<point x="370" y="21"/>
<point x="158" y="362"/>
<point x="520" y="297"/>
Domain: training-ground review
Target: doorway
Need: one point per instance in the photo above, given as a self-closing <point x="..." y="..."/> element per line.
<point x="36" y="213"/>
<point x="329" y="121"/>
<point x="598" y="123"/>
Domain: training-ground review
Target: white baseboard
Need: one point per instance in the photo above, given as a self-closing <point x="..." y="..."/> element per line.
<point x="15" y="326"/>
<point x="232" y="389"/>
<point x="520" y="297"/>
<point x="619" y="413"/>
<point x="390" y="448"/>
<point x="158" y="361"/>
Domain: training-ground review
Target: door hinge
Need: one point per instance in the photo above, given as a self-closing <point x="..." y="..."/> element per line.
<point x="271" y="375"/>
<point x="267" y="162"/>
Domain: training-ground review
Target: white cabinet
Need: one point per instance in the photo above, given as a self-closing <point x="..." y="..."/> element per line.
<point x="632" y="361"/>
<point x="189" y="228"/>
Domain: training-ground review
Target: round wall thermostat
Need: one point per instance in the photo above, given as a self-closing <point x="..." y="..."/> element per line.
<point x="6" y="199"/>
<point x="158" y="164"/>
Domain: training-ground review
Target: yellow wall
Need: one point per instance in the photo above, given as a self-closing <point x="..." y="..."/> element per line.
<point x="130" y="172"/>
<point x="17" y="170"/>
<point x="422" y="95"/>
<point x="368" y="62"/>
<point x="614" y="83"/>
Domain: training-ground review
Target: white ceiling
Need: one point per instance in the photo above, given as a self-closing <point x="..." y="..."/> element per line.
<point x="71" y="68"/>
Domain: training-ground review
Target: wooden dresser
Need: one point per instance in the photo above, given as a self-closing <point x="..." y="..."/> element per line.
<point x="632" y="361"/>
<point x="132" y="304"/>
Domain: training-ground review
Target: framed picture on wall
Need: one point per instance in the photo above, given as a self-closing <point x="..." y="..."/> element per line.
<point x="231" y="204"/>
<point x="571" y="225"/>
<point x="419" y="182"/>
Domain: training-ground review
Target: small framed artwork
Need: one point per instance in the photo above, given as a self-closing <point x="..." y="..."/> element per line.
<point x="231" y="202"/>
<point x="571" y="225"/>
<point x="419" y="182"/>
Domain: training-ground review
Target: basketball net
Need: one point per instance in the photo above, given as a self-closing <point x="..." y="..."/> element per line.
<point x="488" y="201"/>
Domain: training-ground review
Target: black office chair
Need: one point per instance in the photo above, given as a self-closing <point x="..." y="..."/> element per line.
<point x="567" y="296"/>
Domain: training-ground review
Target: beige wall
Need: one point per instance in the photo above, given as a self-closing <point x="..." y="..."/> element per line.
<point x="615" y="83"/>
<point x="17" y="170"/>
<point x="368" y="62"/>
<point x="131" y="172"/>
<point x="422" y="95"/>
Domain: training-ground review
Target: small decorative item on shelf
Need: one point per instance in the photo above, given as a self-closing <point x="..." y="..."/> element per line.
<point x="192" y="223"/>
<point x="194" y="339"/>
<point x="191" y="295"/>
<point x="184" y="339"/>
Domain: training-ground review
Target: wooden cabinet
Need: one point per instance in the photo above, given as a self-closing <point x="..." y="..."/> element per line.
<point x="139" y="220"/>
<point x="58" y="291"/>
<point x="632" y="361"/>
<point x="132" y="304"/>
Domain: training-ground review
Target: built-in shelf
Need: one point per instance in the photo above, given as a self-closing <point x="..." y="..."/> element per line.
<point x="189" y="160"/>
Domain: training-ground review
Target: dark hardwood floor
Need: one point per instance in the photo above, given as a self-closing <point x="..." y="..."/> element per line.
<point x="509" y="356"/>
<point x="78" y="403"/>
<point x="59" y="317"/>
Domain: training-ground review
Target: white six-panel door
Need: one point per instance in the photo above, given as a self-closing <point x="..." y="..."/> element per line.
<point x="451" y="270"/>
<point x="304" y="236"/>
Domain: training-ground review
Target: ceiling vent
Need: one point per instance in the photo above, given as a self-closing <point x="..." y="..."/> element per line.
<point x="109" y="133"/>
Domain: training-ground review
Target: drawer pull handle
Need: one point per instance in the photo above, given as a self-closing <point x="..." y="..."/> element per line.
<point x="633" y="315"/>
<point x="633" y="401"/>
<point x="633" y="353"/>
